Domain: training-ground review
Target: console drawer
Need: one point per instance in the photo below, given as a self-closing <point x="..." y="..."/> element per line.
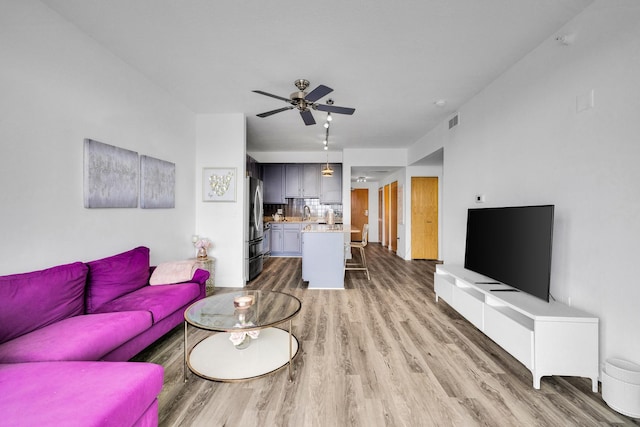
<point x="469" y="302"/>
<point x="511" y="332"/>
<point x="443" y="286"/>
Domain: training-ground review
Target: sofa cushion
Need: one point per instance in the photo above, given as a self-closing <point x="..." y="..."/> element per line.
<point x="160" y="300"/>
<point x="33" y="300"/>
<point x="78" y="393"/>
<point x="84" y="337"/>
<point x="115" y="276"/>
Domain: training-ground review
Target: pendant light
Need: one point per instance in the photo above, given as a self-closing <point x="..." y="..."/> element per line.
<point x="327" y="171"/>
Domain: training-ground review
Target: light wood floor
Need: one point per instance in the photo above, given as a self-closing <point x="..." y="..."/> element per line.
<point x="380" y="353"/>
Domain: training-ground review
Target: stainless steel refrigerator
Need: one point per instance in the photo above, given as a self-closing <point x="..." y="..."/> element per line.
<point x="253" y="244"/>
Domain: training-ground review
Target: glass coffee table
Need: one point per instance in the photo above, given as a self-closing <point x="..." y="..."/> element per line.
<point x="246" y="344"/>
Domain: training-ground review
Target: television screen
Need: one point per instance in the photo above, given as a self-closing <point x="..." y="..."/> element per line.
<point x="512" y="245"/>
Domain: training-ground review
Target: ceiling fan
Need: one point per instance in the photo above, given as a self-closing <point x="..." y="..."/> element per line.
<point x="305" y="102"/>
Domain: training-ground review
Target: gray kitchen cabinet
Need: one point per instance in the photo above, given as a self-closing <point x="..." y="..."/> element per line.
<point x="292" y="180"/>
<point x="273" y="178"/>
<point x="302" y="180"/>
<point x="277" y="246"/>
<point x="285" y="239"/>
<point x="311" y="180"/>
<point x="331" y="186"/>
<point x="291" y="239"/>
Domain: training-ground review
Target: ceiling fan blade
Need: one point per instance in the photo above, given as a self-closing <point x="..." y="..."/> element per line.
<point x="307" y="117"/>
<point x="335" y="109"/>
<point x="318" y="93"/>
<point x="272" y="112"/>
<point x="271" y="95"/>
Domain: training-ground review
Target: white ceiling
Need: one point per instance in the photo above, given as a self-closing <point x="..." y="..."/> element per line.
<point x="389" y="60"/>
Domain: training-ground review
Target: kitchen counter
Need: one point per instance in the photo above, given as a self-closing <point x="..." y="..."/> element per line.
<point x="298" y="220"/>
<point x="323" y="255"/>
<point x="326" y="228"/>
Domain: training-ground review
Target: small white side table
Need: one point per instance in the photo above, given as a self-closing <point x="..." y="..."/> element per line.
<point x="209" y="265"/>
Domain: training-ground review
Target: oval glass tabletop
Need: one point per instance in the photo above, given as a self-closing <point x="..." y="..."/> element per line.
<point x="218" y="312"/>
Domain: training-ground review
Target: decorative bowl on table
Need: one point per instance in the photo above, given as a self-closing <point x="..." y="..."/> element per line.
<point x="243" y="301"/>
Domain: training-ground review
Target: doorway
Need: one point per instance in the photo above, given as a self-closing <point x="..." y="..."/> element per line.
<point x="380" y="211"/>
<point x="424" y="218"/>
<point x="386" y="225"/>
<point x="393" y="217"/>
<point x="359" y="211"/>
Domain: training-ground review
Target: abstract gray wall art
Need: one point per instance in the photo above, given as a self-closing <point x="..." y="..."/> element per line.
<point x="110" y="176"/>
<point x="157" y="183"/>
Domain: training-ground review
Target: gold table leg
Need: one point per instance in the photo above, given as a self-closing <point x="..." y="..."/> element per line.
<point x="184" y="366"/>
<point x="291" y="351"/>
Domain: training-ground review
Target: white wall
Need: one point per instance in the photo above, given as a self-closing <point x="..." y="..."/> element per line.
<point x="221" y="143"/>
<point x="58" y="87"/>
<point x="522" y="142"/>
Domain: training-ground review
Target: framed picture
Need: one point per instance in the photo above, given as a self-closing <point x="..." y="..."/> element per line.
<point x="110" y="176"/>
<point x="219" y="184"/>
<point x="157" y="183"/>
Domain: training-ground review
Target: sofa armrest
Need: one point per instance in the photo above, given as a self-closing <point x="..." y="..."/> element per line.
<point x="200" y="276"/>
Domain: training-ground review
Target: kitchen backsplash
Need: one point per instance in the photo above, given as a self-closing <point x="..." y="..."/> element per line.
<point x="295" y="208"/>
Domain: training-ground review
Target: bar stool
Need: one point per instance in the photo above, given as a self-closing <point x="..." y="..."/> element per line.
<point x="361" y="246"/>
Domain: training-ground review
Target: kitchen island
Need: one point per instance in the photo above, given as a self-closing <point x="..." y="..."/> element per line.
<point x="323" y="255"/>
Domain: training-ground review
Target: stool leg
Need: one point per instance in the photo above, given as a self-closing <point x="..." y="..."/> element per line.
<point x="364" y="263"/>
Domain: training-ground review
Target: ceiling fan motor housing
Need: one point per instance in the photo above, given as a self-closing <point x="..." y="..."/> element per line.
<point x="297" y="99"/>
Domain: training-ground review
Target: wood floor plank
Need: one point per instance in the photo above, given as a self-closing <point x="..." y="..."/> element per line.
<point x="382" y="352"/>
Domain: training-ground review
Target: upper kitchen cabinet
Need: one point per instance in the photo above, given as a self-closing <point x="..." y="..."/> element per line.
<point x="273" y="177"/>
<point x="311" y="180"/>
<point x="302" y="180"/>
<point x="331" y="186"/>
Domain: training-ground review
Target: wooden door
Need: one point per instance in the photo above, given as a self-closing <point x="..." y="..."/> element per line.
<point x="393" y="216"/>
<point x="387" y="205"/>
<point x="380" y="211"/>
<point x="359" y="211"/>
<point x="424" y="218"/>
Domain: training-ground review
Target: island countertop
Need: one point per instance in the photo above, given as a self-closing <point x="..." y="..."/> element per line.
<point x="326" y="228"/>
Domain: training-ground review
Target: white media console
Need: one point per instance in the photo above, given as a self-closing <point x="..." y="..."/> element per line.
<point x="548" y="338"/>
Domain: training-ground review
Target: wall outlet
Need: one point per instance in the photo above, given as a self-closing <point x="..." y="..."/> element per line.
<point x="479" y="198"/>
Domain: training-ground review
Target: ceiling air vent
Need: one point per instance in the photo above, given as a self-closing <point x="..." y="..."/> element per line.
<point x="453" y="121"/>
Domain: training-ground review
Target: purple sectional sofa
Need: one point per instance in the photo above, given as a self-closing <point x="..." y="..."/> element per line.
<point x="67" y="332"/>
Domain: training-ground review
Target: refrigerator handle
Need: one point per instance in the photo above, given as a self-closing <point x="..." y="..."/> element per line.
<point x="257" y="208"/>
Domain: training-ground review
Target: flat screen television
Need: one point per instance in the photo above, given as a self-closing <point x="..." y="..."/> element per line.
<point x="512" y="245"/>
